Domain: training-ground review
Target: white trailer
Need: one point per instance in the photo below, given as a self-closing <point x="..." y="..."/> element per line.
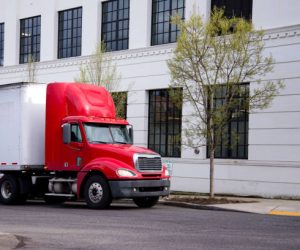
<point x="22" y="126"/>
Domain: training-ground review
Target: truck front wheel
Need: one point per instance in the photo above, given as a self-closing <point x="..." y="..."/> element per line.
<point x="9" y="190"/>
<point x="97" y="193"/>
<point x="146" y="202"/>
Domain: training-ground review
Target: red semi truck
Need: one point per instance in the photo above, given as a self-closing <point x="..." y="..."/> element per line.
<point x="62" y="141"/>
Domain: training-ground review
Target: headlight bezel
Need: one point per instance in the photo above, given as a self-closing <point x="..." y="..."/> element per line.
<point x="167" y="172"/>
<point x="122" y="172"/>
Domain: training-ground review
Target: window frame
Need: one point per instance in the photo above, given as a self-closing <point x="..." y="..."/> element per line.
<point x="34" y="47"/>
<point x="164" y="146"/>
<point x="157" y="24"/>
<point x="2" y="34"/>
<point x="245" y="7"/>
<point x="116" y="15"/>
<point x="227" y="153"/>
<point x="71" y="34"/>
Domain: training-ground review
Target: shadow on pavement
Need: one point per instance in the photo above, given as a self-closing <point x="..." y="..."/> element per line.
<point x="116" y="205"/>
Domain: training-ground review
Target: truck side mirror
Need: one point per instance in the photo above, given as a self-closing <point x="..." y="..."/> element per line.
<point x="130" y="133"/>
<point x="66" y="133"/>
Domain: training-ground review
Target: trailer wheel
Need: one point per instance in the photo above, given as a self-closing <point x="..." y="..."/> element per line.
<point x="97" y="193"/>
<point x="9" y="190"/>
<point x="24" y="188"/>
<point x="146" y="202"/>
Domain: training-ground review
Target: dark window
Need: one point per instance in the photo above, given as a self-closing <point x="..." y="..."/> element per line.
<point x="164" y="129"/>
<point x="1" y="43"/>
<point x="237" y="8"/>
<point x="162" y="29"/>
<point x="30" y="39"/>
<point x="75" y="133"/>
<point x="115" y="24"/>
<point x="69" y="32"/>
<point x="120" y="100"/>
<point x="233" y="143"/>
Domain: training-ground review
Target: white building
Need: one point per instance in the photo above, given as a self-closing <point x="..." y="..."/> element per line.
<point x="61" y="34"/>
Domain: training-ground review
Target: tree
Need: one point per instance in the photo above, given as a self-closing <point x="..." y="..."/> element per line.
<point x="31" y="69"/>
<point x="102" y="71"/>
<point x="216" y="58"/>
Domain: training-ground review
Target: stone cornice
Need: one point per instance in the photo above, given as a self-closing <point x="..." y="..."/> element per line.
<point x="81" y="60"/>
<point x="271" y="34"/>
<point x="282" y="32"/>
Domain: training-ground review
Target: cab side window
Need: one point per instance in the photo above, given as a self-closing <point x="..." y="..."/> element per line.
<point x="75" y="133"/>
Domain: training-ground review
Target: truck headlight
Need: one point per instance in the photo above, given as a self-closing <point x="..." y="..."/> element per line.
<point x="167" y="173"/>
<point x="125" y="173"/>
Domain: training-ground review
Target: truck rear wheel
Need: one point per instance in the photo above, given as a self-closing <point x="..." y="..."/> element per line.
<point x="97" y="193"/>
<point x="9" y="190"/>
<point x="146" y="202"/>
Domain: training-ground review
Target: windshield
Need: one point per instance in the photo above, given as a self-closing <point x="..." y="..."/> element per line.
<point x="105" y="133"/>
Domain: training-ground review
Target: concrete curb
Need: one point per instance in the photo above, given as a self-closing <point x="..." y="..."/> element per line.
<point x="197" y="206"/>
<point x="8" y="241"/>
<point x="257" y="206"/>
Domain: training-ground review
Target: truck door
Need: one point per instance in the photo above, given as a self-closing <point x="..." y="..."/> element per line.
<point x="73" y="152"/>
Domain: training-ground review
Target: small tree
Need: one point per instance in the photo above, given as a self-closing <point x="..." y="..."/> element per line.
<point x="215" y="58"/>
<point x="102" y="71"/>
<point x="31" y="69"/>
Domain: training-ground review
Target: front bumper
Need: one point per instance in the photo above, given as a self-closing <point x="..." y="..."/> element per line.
<point x="139" y="188"/>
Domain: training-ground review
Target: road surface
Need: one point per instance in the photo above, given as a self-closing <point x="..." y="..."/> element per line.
<point x="124" y="226"/>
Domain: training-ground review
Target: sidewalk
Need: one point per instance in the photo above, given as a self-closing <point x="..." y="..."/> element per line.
<point x="257" y="205"/>
<point x="8" y="241"/>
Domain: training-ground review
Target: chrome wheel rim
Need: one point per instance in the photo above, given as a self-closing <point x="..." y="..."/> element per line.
<point x="6" y="190"/>
<point x="95" y="192"/>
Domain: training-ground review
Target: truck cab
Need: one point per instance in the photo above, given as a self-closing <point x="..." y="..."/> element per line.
<point x="89" y="154"/>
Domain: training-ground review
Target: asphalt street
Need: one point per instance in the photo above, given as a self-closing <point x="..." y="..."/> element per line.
<point x="124" y="226"/>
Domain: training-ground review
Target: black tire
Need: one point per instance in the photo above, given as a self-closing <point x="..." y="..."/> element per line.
<point x="97" y="193"/>
<point x="146" y="202"/>
<point x="9" y="190"/>
<point x="25" y="186"/>
<point x="22" y="198"/>
<point x="54" y="199"/>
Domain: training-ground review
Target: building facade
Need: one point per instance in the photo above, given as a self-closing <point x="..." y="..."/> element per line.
<point x="60" y="35"/>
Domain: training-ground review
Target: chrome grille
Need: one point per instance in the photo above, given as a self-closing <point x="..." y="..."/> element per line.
<point x="148" y="163"/>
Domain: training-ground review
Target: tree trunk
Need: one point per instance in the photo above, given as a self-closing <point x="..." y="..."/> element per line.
<point x="211" y="173"/>
<point x="212" y="147"/>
